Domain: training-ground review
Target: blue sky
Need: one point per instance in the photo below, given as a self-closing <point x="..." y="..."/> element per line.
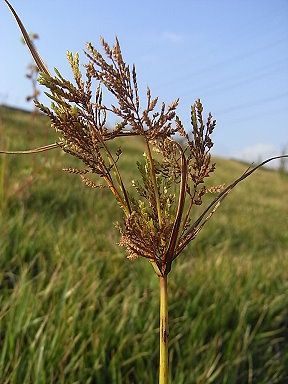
<point x="233" y="54"/>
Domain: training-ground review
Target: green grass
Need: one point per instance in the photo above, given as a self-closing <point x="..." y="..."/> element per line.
<point x="73" y="309"/>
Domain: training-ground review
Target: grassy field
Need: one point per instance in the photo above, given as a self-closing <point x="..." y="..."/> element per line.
<point x="73" y="309"/>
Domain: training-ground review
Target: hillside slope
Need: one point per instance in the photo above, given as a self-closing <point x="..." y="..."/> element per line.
<point x="74" y="309"/>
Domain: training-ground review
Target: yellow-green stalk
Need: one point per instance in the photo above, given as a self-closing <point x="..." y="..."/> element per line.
<point x="164" y="331"/>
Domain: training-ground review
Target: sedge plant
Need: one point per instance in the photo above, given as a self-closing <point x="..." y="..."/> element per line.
<point x="159" y="207"/>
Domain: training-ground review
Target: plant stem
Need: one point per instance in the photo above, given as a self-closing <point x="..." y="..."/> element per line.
<point x="163" y="362"/>
<point x="154" y="182"/>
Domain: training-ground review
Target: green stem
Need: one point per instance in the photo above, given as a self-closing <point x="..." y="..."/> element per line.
<point x="118" y="176"/>
<point x="157" y="268"/>
<point x="154" y="182"/>
<point x="163" y="362"/>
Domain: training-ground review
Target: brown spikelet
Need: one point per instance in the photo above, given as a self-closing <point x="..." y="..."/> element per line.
<point x="76" y="171"/>
<point x="89" y="183"/>
<point x="215" y="188"/>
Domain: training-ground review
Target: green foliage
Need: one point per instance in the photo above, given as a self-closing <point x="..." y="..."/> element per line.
<point x="73" y="309"/>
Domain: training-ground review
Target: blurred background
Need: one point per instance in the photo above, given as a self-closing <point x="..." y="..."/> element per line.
<point x="231" y="54"/>
<point x="72" y="308"/>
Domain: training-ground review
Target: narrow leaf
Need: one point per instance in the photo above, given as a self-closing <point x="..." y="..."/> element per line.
<point x="38" y="60"/>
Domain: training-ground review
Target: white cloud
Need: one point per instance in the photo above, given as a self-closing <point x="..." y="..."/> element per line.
<point x="259" y="152"/>
<point x="172" y="37"/>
